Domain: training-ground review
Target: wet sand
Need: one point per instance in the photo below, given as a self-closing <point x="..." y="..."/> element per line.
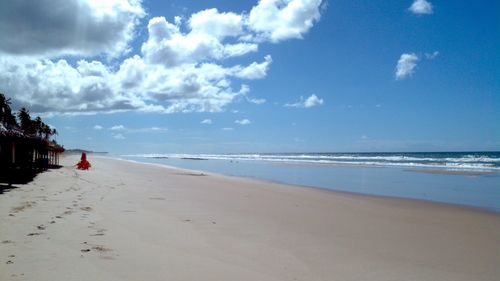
<point x="128" y="221"/>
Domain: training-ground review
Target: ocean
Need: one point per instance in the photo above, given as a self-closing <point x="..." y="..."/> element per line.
<point x="464" y="178"/>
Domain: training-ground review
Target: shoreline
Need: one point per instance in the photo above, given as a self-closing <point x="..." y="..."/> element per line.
<point x="125" y="221"/>
<point x="331" y="189"/>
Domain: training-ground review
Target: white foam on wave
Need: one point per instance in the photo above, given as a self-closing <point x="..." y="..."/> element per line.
<point x="470" y="162"/>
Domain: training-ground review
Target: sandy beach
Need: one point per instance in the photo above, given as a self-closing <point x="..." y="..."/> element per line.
<point x="128" y="221"/>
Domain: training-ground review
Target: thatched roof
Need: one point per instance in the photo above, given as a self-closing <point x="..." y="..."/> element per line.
<point x="15" y="134"/>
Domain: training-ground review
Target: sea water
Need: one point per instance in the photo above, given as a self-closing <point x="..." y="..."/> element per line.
<point x="465" y="178"/>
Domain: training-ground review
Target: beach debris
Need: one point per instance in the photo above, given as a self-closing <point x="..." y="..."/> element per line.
<point x="83" y="164"/>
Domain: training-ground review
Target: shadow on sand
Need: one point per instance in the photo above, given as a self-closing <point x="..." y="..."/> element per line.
<point x="6" y="188"/>
<point x="11" y="177"/>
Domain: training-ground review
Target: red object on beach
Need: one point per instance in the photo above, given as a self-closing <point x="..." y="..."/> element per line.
<point x="83" y="164"/>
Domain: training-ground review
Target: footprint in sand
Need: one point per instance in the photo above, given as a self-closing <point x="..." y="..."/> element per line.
<point x="34" y="234"/>
<point x="23" y="206"/>
<point x="99" y="232"/>
<point x="87" y="209"/>
<point x="99" y="249"/>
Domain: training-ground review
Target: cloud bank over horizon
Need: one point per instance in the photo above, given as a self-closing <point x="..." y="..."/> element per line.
<point x="80" y="59"/>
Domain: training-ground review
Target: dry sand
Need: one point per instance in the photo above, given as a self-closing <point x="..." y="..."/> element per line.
<point x="127" y="221"/>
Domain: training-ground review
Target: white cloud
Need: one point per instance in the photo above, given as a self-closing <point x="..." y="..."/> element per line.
<point x="256" y="101"/>
<point x="406" y="65"/>
<point x="421" y="7"/>
<point x="98" y="127"/>
<point x="119" y="137"/>
<point x="117" y="128"/>
<point x="243" y="122"/>
<point x="254" y="70"/>
<point x="431" y="56"/>
<point x="124" y="129"/>
<point x="227" y="129"/>
<point x="207" y="121"/>
<point x="278" y="20"/>
<point x="156" y="129"/>
<point x="220" y="25"/>
<point x="68" y="27"/>
<point x="145" y="130"/>
<point x="180" y="68"/>
<point x="311" y="101"/>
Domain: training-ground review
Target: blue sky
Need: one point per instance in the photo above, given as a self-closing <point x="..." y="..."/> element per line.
<point x="268" y="76"/>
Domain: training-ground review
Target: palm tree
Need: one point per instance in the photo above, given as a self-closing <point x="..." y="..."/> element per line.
<point x="3" y="104"/>
<point x="38" y="126"/>
<point x="25" y="121"/>
<point x="6" y="116"/>
<point x="46" y="131"/>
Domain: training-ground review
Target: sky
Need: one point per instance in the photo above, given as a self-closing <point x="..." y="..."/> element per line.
<point x="224" y="76"/>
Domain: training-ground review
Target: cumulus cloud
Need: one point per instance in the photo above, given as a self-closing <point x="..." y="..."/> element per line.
<point x="98" y="127"/>
<point x="421" y="7"/>
<point x="406" y="65"/>
<point x="220" y="25"/>
<point x="181" y="67"/>
<point x="68" y="27"/>
<point x="254" y="70"/>
<point x="169" y="46"/>
<point x="243" y="122"/>
<point x="309" y="102"/>
<point x="206" y="121"/>
<point x="278" y="20"/>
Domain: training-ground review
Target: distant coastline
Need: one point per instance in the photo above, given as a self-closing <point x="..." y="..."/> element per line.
<point x="79" y="151"/>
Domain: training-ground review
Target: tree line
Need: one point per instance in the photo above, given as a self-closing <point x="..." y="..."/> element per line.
<point x="23" y="123"/>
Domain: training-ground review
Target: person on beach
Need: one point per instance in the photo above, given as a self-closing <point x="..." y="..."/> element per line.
<point x="83" y="164"/>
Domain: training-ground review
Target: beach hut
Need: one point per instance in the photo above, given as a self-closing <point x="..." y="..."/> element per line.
<point x="22" y="157"/>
